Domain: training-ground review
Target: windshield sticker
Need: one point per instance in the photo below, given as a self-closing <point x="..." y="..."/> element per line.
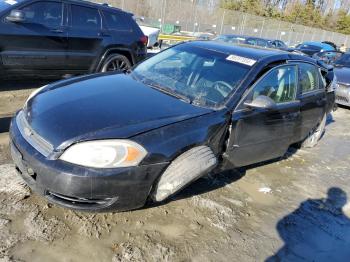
<point x="241" y="60"/>
<point x="11" y="2"/>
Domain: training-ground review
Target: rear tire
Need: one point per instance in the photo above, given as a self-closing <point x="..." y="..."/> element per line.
<point x="315" y="135"/>
<point x="116" y="63"/>
<point x="185" y="169"/>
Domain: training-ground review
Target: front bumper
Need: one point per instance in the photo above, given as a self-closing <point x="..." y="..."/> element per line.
<point x="79" y="187"/>
<point x="342" y="95"/>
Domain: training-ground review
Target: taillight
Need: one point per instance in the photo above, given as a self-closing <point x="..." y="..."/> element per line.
<point x="144" y="40"/>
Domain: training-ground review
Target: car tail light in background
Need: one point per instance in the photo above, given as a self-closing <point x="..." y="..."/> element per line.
<point x="144" y="40"/>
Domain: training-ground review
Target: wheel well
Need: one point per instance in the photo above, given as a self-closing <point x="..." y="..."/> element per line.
<point x="125" y="53"/>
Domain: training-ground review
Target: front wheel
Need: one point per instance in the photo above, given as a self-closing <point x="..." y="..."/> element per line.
<point x="315" y="135"/>
<point x="117" y="63"/>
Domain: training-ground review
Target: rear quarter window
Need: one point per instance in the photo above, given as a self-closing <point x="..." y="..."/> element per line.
<point x="117" y="21"/>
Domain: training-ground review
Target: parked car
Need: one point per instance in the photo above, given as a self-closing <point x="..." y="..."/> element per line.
<point x="328" y="57"/>
<point x="311" y="48"/>
<point x="152" y="33"/>
<point x="342" y="72"/>
<point x="331" y="44"/>
<point x="204" y="36"/>
<point x="255" y="41"/>
<point x="232" y="39"/>
<point x="172" y="119"/>
<point x="67" y="37"/>
<point x="341" y="64"/>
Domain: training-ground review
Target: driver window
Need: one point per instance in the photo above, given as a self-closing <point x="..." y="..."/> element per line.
<point x="279" y="84"/>
<point x="44" y="13"/>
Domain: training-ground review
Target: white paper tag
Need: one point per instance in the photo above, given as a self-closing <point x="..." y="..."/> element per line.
<point x="241" y="60"/>
<point x="11" y="2"/>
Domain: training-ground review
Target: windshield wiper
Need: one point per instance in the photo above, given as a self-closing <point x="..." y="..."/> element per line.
<point x="168" y="91"/>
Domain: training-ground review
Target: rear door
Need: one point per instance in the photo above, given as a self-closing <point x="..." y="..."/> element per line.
<point x="38" y="43"/>
<point x="262" y="134"/>
<point x="85" y="36"/>
<point x="312" y="96"/>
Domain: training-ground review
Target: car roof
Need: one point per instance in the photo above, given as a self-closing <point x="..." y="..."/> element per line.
<point x="98" y="5"/>
<point x="248" y="51"/>
<point x="319" y="44"/>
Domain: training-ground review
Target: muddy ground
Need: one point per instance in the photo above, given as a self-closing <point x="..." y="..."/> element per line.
<point x="294" y="209"/>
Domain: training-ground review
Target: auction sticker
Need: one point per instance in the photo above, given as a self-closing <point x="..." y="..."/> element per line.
<point x="11" y="2"/>
<point x="241" y="60"/>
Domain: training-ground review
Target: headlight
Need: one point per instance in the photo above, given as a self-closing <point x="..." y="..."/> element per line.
<point x="105" y="154"/>
<point x="35" y="92"/>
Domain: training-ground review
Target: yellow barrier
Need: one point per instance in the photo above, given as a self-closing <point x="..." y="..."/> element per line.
<point x="176" y="37"/>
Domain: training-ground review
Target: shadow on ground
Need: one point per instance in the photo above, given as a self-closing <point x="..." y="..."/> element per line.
<point x="316" y="231"/>
<point x="5" y="124"/>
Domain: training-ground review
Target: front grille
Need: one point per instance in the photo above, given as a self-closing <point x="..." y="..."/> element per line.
<point x="339" y="98"/>
<point x="35" y="140"/>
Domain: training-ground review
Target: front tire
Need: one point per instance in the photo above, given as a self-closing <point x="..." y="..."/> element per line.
<point x="116" y="63"/>
<point x="315" y="135"/>
<point x="185" y="169"/>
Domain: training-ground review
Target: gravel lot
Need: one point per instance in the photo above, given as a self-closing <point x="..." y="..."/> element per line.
<point x="295" y="209"/>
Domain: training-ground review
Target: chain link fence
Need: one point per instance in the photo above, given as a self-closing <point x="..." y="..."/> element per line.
<point x="204" y="16"/>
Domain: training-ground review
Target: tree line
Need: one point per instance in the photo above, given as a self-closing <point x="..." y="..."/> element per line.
<point x="331" y="15"/>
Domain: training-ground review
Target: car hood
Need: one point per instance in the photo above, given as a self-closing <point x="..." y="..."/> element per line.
<point x="343" y="74"/>
<point x="102" y="107"/>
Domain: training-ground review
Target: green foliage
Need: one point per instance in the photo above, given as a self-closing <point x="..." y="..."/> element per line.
<point x="307" y="12"/>
<point x="343" y="22"/>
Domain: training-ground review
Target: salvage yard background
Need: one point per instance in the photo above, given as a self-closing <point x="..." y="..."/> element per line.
<point x="292" y="24"/>
<point x="245" y="215"/>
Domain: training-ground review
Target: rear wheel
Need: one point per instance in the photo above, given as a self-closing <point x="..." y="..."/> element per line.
<point x="117" y="63"/>
<point x="315" y="135"/>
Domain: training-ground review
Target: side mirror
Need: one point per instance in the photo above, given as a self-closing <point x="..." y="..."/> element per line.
<point x="16" y="16"/>
<point x="261" y="102"/>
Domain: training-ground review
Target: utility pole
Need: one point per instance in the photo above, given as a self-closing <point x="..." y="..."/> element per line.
<point x="222" y="21"/>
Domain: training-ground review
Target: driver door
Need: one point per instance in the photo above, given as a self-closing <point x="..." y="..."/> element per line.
<point x="39" y="42"/>
<point x="260" y="134"/>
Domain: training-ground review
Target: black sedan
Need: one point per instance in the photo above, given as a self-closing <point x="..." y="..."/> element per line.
<point x="112" y="141"/>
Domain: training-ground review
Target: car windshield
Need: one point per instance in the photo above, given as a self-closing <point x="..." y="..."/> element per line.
<point x="344" y="60"/>
<point x="200" y="76"/>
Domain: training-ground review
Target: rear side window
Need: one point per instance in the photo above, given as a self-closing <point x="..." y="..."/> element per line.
<point x="85" y="17"/>
<point x="309" y="78"/>
<point x="49" y="14"/>
<point x="116" y="21"/>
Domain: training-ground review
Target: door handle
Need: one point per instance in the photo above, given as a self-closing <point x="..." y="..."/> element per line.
<point x="58" y="31"/>
<point x="103" y="34"/>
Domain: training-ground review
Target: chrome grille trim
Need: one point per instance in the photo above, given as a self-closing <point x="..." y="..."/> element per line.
<point x="35" y="140"/>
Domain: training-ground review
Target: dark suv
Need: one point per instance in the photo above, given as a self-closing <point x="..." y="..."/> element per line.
<point x="54" y="37"/>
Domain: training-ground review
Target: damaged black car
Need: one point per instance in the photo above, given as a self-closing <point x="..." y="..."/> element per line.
<point x="113" y="141"/>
